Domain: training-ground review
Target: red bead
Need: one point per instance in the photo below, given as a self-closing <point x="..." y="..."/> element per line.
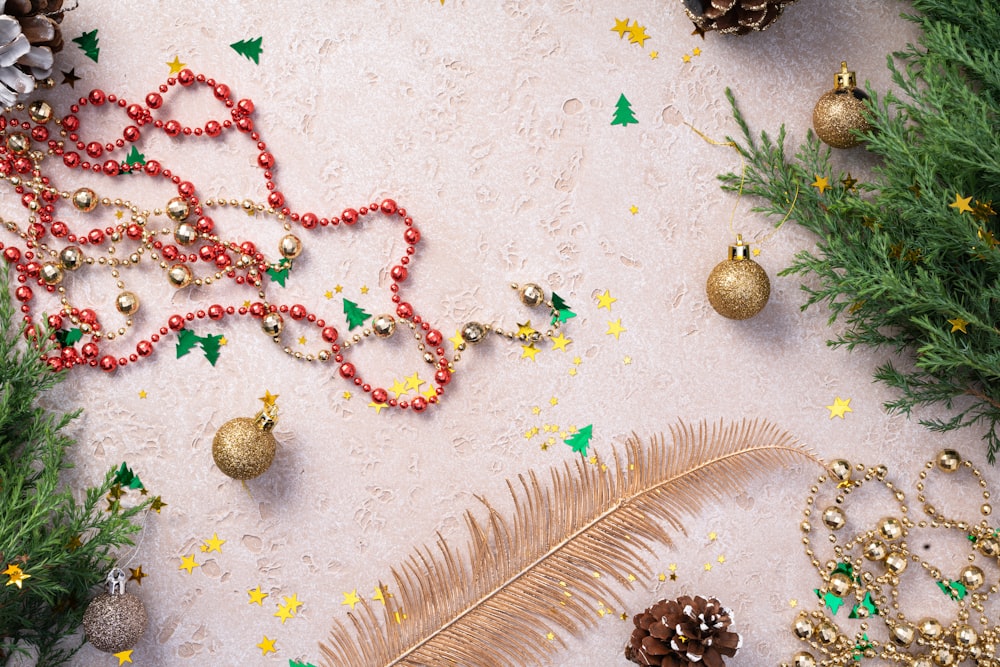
<point x="144" y="348"/>
<point x="205" y="225"/>
<point x="185" y="77"/>
<point x="349" y="216"/>
<point x="170" y="252"/>
<point x="330" y="334"/>
<point x="68" y="354"/>
<point x="152" y="167"/>
<point x="244" y="125"/>
<point x="94" y="149"/>
<point x="257" y="309"/>
<point x="108" y="363"/>
<point x="212" y="128"/>
<point x="176" y="322"/>
<point x="276" y="199"/>
<point x="71" y="123"/>
<point x="131" y="133"/>
<point x="59" y="229"/>
<point x="32" y="269"/>
<point x="111" y="168"/>
<point x="55" y="321"/>
<point x="442" y="377"/>
<point x="39" y="133"/>
<point x="248" y="248"/>
<point x="411" y="235"/>
<point x="11" y="254"/>
<point x="55" y="363"/>
<point x="97" y="97"/>
<point x="245" y="107"/>
<point x="216" y="312"/>
<point x="222" y="260"/>
<point x="380" y="395"/>
<point x="185" y="189"/>
<point x="23" y="294"/>
<point x="347" y="370"/>
<point x="134" y="112"/>
<point x="309" y="220"/>
<point x="265" y="160"/>
<point x="419" y="404"/>
<point x="96" y="236"/>
<point x="404" y="310"/>
<point x="388" y="207"/>
<point x="398" y="273"/>
<point x="90" y="350"/>
<point x="221" y="91"/>
<point x="433" y="338"/>
<point x="172" y="128"/>
<point x="297" y="311"/>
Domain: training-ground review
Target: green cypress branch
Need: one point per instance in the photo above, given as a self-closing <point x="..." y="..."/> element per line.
<point x="893" y="262"/>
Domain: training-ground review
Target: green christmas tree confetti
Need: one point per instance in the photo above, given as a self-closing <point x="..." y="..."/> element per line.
<point x="210" y="345"/>
<point x="249" y="48"/>
<point x="126" y="478"/>
<point x="88" y="44"/>
<point x="868" y="604"/>
<point x="279" y="271"/>
<point x="67" y="337"/>
<point x="295" y="663"/>
<point x="580" y="440"/>
<point x="953" y="589"/>
<point x="560" y="311"/>
<point x="187" y="340"/>
<point x="623" y="112"/>
<point x="135" y="158"/>
<point x="356" y="315"/>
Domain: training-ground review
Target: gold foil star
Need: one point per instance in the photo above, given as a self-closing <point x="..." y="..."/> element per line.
<point x="293" y="602"/>
<point x="268" y="399"/>
<point x="696" y="51"/>
<point x="621" y="27"/>
<point x="214" y="544"/>
<point x="338" y="288"/>
<point x="529" y="351"/>
<point x="550" y="636"/>
<point x="15" y="575"/>
<point x="627" y="360"/>
<point x="637" y="34"/>
<point x="137" y="575"/>
<point x="302" y="340"/>
<point x="266" y="646"/>
<point x="142" y="393"/>
<point x="398" y="388"/>
<point x="525" y="329"/>
<point x="958" y="324"/>
<point x="378" y="406"/>
<point x="126" y="655"/>
<point x="961" y="203"/>
<point x="381" y="593"/>
<point x="821" y="183"/>
<point x="849" y="182"/>
<point x="414" y="382"/>
<point x="713" y="536"/>
<point x="351" y="599"/>
<point x="430" y="392"/>
<point x="605" y="300"/>
<point x="74" y="543"/>
<point x="708" y="567"/>
<point x="364" y="289"/>
<point x="175" y="66"/>
<point x="187" y="563"/>
<point x="535" y="410"/>
<point x="284" y="613"/>
<point x="553" y="401"/>
<point x="686" y="58"/>
<point x="257" y="596"/>
<point x="615" y="328"/>
<point x="633" y="209"/>
<point x="721" y="559"/>
<point x="347" y="395"/>
<point x="328" y="294"/>
<point x="793" y="603"/>
<point x="839" y="407"/>
<point x="157" y="504"/>
<point x="457" y="339"/>
<point x="653" y="55"/>
<point x="560" y="342"/>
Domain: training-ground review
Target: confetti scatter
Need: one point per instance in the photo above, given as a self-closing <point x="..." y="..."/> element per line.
<point x="958" y="324"/>
<point x="176" y="65"/>
<point x="266" y="646"/>
<point x="188" y="563"/>
<point x="961" y="204"/>
<point x="623" y="112"/>
<point x="88" y="44"/>
<point x="839" y="407"/>
<point x="256" y="596"/>
<point x="249" y="48"/>
<point x="822" y="183"/>
<point x="351" y="599"/>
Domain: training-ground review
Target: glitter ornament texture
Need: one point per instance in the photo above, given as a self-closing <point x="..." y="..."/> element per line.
<point x="115" y="620"/>
<point x="243" y="448"/>
<point x="841" y="111"/>
<point x="738" y="288"/>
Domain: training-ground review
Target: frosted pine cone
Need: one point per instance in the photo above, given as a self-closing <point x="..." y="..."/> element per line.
<point x="681" y="632"/>
<point x="734" y="16"/>
<point x="29" y="35"/>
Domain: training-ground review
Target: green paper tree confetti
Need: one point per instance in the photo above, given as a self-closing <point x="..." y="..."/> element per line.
<point x="560" y="311"/>
<point x="356" y="315"/>
<point x="135" y="158"/>
<point x="67" y="337"/>
<point x="580" y="440"/>
<point x="279" y="271"/>
<point x="953" y="589"/>
<point x="210" y="345"/>
<point x="623" y="112"/>
<point x="249" y="48"/>
<point x="88" y="44"/>
<point x="295" y="663"/>
<point x="868" y="604"/>
<point x="126" y="478"/>
<point x="187" y="340"/>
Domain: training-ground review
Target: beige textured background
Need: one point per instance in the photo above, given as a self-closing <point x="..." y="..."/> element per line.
<point x="489" y="121"/>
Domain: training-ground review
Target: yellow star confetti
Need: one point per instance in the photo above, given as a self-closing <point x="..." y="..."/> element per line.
<point x="414" y="382"/>
<point x="119" y="214"/>
<point x="550" y="636"/>
<point x="266" y="646"/>
<point x="605" y="300"/>
<point x="637" y="34"/>
<point x="302" y="340"/>
<point x="137" y="575"/>
<point x="653" y="55"/>
<point x="284" y="613"/>
<point x="708" y="567"/>
<point x="214" y="544"/>
<point x="381" y="593"/>
<point x="849" y="182"/>
<point x="347" y="395"/>
<point x="351" y="599"/>
<point x="633" y="209"/>
<point x="672" y="567"/>
<point x="821" y="183"/>
<point x="157" y="504"/>
<point x="958" y="324"/>
<point x="713" y="536"/>
<point x="793" y="603"/>
<point x="457" y="339"/>
<point x="142" y="393"/>
<point x="531" y="433"/>
<point x="15" y="575"/>
<point x="256" y="596"/>
<point x="839" y="407"/>
<point x="615" y="328"/>
<point x="398" y="388"/>
<point x="187" y="563"/>
<point x="378" y="406"/>
<point x="536" y="410"/>
<point x="577" y="361"/>
<point x="525" y="329"/>
<point x="293" y="602"/>
<point x="223" y="341"/>
<point x="627" y="360"/>
<point x="553" y="401"/>
<point x="328" y="294"/>
<point x="961" y="203"/>
<point x="572" y="371"/>
<point x="686" y="58"/>
<point x="175" y="66"/>
<point x="721" y="559"/>
<point x="756" y="252"/>
<point x="268" y="399"/>
<point x="621" y="27"/>
<point x="661" y="577"/>
<point x="364" y="289"/>
<point x="529" y="351"/>
<point x="696" y="51"/>
<point x="430" y="392"/>
<point x="338" y="288"/>
<point x="560" y="342"/>
<point x="126" y="655"/>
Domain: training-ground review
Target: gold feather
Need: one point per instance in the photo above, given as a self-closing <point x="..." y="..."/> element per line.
<point x="537" y="568"/>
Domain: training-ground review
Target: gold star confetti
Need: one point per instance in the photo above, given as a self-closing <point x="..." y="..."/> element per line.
<point x="414" y="382"/>
<point x="119" y="214"/>
<point x="839" y="407"/>
<point x="713" y="536"/>
<point x="627" y="360"/>
<point x="157" y="504"/>
<point x="553" y="401"/>
<point x="15" y="575"/>
<point x="338" y="288"/>
<point x="268" y="399"/>
<point x="696" y="51"/>
<point x="550" y="636"/>
<point x="126" y="655"/>
<point x="793" y="603"/>
<point x="328" y="294"/>
<point x="721" y="559"/>
<point x="293" y="602"/>
<point x="284" y="613"/>
<point x="364" y="289"/>
<point x="756" y="252"/>
<point x="74" y="543"/>
<point x="142" y="393"/>
<point x="351" y="599"/>
<point x="457" y="339"/>
<point x="983" y="210"/>
<point x="430" y="392"/>
<point x="961" y="203"/>
<point x="615" y="328"/>
<point x="708" y="567"/>
<point x="560" y="342"/>
<point x="633" y="209"/>
<point x="621" y="27"/>
<point x="257" y="596"/>
<point x="347" y="395"/>
<point x="137" y="575"/>
<point x="821" y="183"/>
<point x="686" y="58"/>
<point x="958" y="324"/>
<point x="631" y="577"/>
<point x="302" y="340"/>
<point x="378" y="406"/>
<point x="572" y="371"/>
<point x="535" y="410"/>
<point x="214" y="544"/>
<point x="266" y="646"/>
<point x="531" y="433"/>
<point x="661" y="577"/>
<point x="529" y="351"/>
<point x="637" y="34"/>
<point x="398" y="388"/>
<point x="698" y="30"/>
<point x="672" y="567"/>
<point x="187" y="563"/>
<point x="605" y="300"/>
<point x="525" y="329"/>
<point x="653" y="55"/>
<point x="381" y="593"/>
<point x="849" y="182"/>
<point x="577" y="361"/>
<point x="175" y="66"/>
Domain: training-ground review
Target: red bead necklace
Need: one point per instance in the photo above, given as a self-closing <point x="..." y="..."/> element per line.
<point x="193" y="241"/>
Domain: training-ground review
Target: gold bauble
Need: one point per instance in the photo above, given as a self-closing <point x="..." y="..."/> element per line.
<point x="827" y="633"/>
<point x="972" y="577"/>
<point x="531" y="295"/>
<point x="840" y="470"/>
<point x="903" y="635"/>
<point x="243" y="448"/>
<point x="834" y="518"/>
<point x="840" y="584"/>
<point x="473" y="332"/>
<point x="185" y="233"/>
<point x="127" y="303"/>
<point x="18" y="143"/>
<point x="890" y="528"/>
<point x="803" y="659"/>
<point x="114" y="620"/>
<point x="841" y="111"/>
<point x="930" y="628"/>
<point x="290" y="246"/>
<point x="84" y="199"/>
<point x="738" y="288"/>
<point x="875" y="550"/>
<point x="178" y="209"/>
<point x="179" y="275"/>
<point x="966" y="635"/>
<point x="896" y="562"/>
<point x="51" y="273"/>
<point x="803" y="627"/>
<point x="40" y="111"/>
<point x="383" y="326"/>
<point x="988" y="546"/>
<point x="71" y="258"/>
<point x="948" y="460"/>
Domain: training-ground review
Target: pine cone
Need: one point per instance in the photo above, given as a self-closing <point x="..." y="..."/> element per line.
<point x="734" y="16"/>
<point x="29" y="35"/>
<point x="681" y="632"/>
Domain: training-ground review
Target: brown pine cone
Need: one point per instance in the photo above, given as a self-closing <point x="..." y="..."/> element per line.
<point x="736" y="17"/>
<point x="681" y="632"/>
<point x="29" y="35"/>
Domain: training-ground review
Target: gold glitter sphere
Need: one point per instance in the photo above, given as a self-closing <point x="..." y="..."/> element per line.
<point x="841" y="110"/>
<point x="841" y="470"/>
<point x="532" y="295"/>
<point x="114" y="620"/>
<point x="738" y="288"/>
<point x="243" y="448"/>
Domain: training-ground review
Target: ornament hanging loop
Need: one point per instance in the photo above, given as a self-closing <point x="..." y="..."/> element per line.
<point x="115" y="581"/>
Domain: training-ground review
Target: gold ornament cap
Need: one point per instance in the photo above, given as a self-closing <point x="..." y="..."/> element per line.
<point x="739" y="251"/>
<point x="267" y="418"/>
<point x="845" y="78"/>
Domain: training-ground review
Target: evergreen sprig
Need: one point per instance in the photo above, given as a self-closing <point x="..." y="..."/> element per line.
<point x="64" y="545"/>
<point x="893" y="261"/>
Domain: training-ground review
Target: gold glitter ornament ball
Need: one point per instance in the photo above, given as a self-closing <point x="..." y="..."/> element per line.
<point x="115" y="620"/>
<point x="841" y="111"/>
<point x="244" y="448"/>
<point x="738" y="288"/>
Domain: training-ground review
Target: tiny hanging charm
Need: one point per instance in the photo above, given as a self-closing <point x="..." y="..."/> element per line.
<point x="738" y="288"/>
<point x="841" y="111"/>
<point x="244" y="448"/>
<point x="114" y="620"/>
